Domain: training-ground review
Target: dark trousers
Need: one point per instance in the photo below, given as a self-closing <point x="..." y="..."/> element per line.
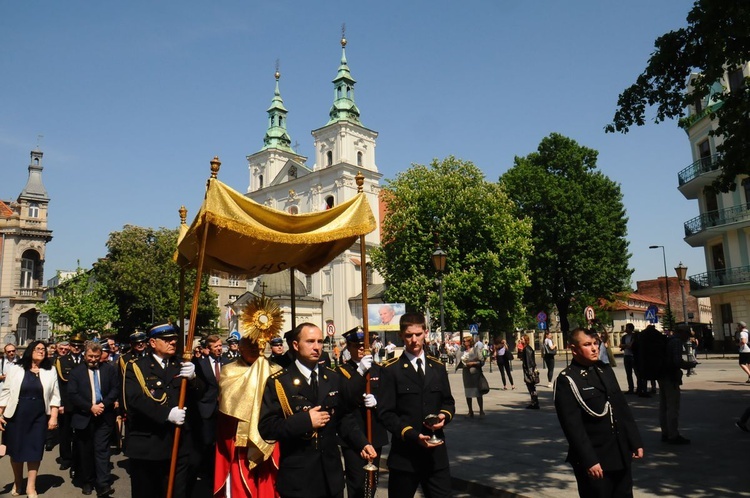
<point x="628" y="361"/>
<point x="356" y="474"/>
<point x="615" y="484"/>
<point x="65" y="436"/>
<point x="92" y="444"/>
<point x="549" y="363"/>
<point x="504" y="367"/>
<point x="149" y="478"/>
<point x="669" y="406"/>
<point x="435" y="484"/>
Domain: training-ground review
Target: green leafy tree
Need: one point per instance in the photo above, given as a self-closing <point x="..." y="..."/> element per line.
<point x="716" y="40"/>
<point x="579" y="226"/>
<point x="487" y="246"/>
<point x="82" y="304"/>
<point x="145" y="281"/>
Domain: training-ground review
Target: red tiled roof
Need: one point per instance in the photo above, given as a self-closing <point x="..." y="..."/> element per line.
<point x="5" y="211"/>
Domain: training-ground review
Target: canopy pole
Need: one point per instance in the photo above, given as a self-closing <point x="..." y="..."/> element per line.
<point x="187" y="355"/>
<point x="181" y="338"/>
<point x="294" y="301"/>
<point x="370" y="468"/>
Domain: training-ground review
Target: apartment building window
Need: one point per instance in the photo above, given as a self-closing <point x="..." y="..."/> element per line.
<point x="234" y="281"/>
<point x="214" y="280"/>
<point x="736" y="80"/>
<point x="704" y="151"/>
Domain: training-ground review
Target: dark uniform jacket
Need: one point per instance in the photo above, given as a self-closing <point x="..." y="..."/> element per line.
<point x="80" y="394"/>
<point x="310" y="462"/>
<point x="404" y="403"/>
<point x="354" y="386"/>
<point x="64" y="365"/>
<point x="229" y="356"/>
<point x="282" y="360"/>
<point x="150" y="394"/>
<point x="609" y="440"/>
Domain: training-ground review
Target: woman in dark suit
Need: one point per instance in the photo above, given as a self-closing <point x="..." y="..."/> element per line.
<point x="530" y="373"/>
<point x="28" y="408"/>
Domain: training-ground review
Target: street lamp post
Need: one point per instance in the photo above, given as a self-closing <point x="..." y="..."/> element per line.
<point x="681" y="271"/>
<point x="439" y="258"/>
<point x="666" y="278"/>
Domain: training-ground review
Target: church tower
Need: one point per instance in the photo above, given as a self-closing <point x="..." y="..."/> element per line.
<point x="277" y="154"/>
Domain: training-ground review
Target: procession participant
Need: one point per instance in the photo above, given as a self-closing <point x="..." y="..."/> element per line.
<point x="152" y="391"/>
<point x="233" y="350"/>
<point x="277" y="353"/>
<point x="93" y="393"/>
<point x="63" y="366"/>
<point x="354" y="372"/>
<point x="303" y="410"/>
<point x="208" y="370"/>
<point x="412" y="387"/>
<point x="602" y="435"/>
<point x="246" y="465"/>
<point x="138" y="349"/>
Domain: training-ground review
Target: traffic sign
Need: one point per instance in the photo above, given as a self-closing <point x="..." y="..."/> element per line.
<point x="589" y="313"/>
<point x="541" y="317"/>
<point x="235" y="334"/>
<point x="473" y="329"/>
<point x="330" y="330"/>
<point x="651" y="314"/>
<point x="542" y="325"/>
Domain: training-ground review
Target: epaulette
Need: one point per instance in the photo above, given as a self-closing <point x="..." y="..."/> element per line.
<point x="278" y="374"/>
<point x="435" y="359"/>
<point x="388" y="363"/>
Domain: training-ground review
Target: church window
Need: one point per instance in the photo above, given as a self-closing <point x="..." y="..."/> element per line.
<point x="368" y="269"/>
<point x="260" y="181"/>
<point x="33" y="210"/>
<point x="329" y="202"/>
<point x="281" y="121"/>
<point x="293" y="210"/>
<point x="308" y="283"/>
<point x="736" y="80"/>
<point x="293" y="171"/>
<point x="329" y="158"/>
<point x="273" y="120"/>
<point x="328" y="281"/>
<point x="348" y="91"/>
<point x="27" y="273"/>
<point x="359" y="159"/>
<point x="338" y="92"/>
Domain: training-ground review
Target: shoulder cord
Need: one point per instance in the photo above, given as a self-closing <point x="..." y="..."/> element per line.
<point x="586" y="408"/>
<point x="58" y="367"/>
<point x="142" y="382"/>
<point x="285" y="407"/>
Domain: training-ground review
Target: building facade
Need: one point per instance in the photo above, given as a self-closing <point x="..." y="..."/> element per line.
<point x="722" y="227"/>
<point x="23" y="243"/>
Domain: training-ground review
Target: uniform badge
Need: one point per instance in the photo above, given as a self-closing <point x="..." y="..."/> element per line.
<point x="158" y="383"/>
<point x="295" y="382"/>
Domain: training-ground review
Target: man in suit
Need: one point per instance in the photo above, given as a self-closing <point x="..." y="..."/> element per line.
<point x="413" y="386"/>
<point x="208" y="370"/>
<point x="355" y="373"/>
<point x="303" y="409"/>
<point x="64" y="365"/>
<point x="602" y="435"/>
<point x="152" y="391"/>
<point x="93" y="391"/>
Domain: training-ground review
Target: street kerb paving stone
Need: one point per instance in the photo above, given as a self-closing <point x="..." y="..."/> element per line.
<point x="515" y="452"/>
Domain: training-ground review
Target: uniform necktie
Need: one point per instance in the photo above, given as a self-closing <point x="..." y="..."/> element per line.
<point x="217" y="370"/>
<point x="314" y="383"/>
<point x="164" y="363"/>
<point x="419" y="369"/>
<point x="97" y="387"/>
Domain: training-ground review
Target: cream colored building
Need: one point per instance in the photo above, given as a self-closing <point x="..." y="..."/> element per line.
<point x="722" y="227"/>
<point x="23" y="244"/>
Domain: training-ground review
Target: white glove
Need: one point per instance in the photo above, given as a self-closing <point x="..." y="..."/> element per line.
<point x="187" y="370"/>
<point x="365" y="365"/>
<point x="370" y="401"/>
<point x="176" y="416"/>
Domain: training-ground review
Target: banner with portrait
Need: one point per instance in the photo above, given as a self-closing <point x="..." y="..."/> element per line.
<point x="385" y="316"/>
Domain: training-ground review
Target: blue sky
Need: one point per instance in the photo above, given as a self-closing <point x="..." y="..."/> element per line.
<point x="133" y="99"/>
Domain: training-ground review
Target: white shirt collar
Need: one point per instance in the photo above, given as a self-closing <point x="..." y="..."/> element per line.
<point x="159" y="360"/>
<point x="413" y="359"/>
<point x="306" y="371"/>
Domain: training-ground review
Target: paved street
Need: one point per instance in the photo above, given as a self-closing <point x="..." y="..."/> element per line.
<point x="519" y="452"/>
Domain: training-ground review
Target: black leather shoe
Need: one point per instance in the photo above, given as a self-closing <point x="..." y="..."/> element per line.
<point x="49" y="445"/>
<point x="678" y="440"/>
<point x="104" y="492"/>
<point x="64" y="465"/>
<point x="87" y="489"/>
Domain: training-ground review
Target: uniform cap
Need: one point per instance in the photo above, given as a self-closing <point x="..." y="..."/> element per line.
<point x="277" y="341"/>
<point x="106" y="348"/>
<point x="138" y="336"/>
<point x="233" y="340"/>
<point x="354" y="336"/>
<point x="78" y="339"/>
<point x="162" y="331"/>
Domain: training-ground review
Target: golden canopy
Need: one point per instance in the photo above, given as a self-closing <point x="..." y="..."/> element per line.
<point x="248" y="239"/>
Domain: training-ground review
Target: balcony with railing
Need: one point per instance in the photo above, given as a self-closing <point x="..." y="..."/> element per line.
<point x="25" y="293"/>
<point x="699" y="174"/>
<point x="701" y="228"/>
<point x="716" y="281"/>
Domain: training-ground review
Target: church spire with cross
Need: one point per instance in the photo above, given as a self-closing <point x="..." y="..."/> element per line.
<point x="344" y="108"/>
<point x="276" y="135"/>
